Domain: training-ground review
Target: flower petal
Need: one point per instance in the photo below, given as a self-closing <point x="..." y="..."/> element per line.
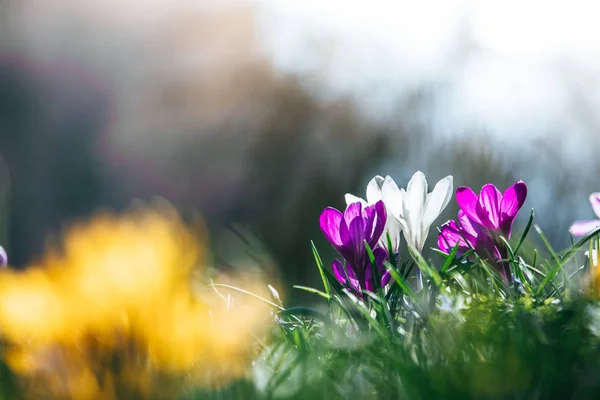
<point x="488" y="206"/>
<point x="380" y="257"/>
<point x="437" y="201"/>
<point x="338" y="271"/>
<point x="392" y="197"/>
<point x="386" y="278"/>
<point x="356" y="232"/>
<point x="394" y="229"/>
<point x="595" y="200"/>
<point x="467" y="201"/>
<point x="374" y="189"/>
<point x="353" y="211"/>
<point x="350" y="198"/>
<point x="413" y="206"/>
<point x="469" y="230"/>
<point x="512" y="201"/>
<point x="330" y="222"/>
<point x="450" y="236"/>
<point x="379" y="222"/>
<point x="582" y="228"/>
<point x="354" y="282"/>
<point x="416" y="193"/>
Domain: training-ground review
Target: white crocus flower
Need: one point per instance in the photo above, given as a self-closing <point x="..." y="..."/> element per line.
<point x="392" y="225"/>
<point x="415" y="208"/>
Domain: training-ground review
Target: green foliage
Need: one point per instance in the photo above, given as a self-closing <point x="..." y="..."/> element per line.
<point x="466" y="335"/>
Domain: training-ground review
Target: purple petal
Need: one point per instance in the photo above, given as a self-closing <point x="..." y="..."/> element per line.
<point x="486" y="248"/>
<point x="469" y="230"/>
<point x="386" y="278"/>
<point x="467" y="201"/>
<point x="3" y="257"/>
<point x="488" y="206"/>
<point x="353" y="211"/>
<point x="348" y="247"/>
<point x="595" y="200"/>
<point x="356" y="231"/>
<point x="368" y="283"/>
<point x="512" y="201"/>
<point x="582" y="228"/>
<point x="381" y="255"/>
<point x="354" y="282"/>
<point x="380" y="219"/>
<point x="330" y="221"/>
<point x="513" y="198"/>
<point x="338" y="271"/>
<point x="370" y="215"/>
<point x="450" y="236"/>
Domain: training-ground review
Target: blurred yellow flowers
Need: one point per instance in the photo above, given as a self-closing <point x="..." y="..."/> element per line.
<point x="112" y="313"/>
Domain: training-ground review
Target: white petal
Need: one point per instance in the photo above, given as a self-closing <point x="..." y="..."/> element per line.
<point x="437" y="201"/>
<point x="394" y="228"/>
<point x="416" y="197"/>
<point x="407" y="221"/>
<point x="374" y="189"/>
<point x="350" y="198"/>
<point x="392" y="197"/>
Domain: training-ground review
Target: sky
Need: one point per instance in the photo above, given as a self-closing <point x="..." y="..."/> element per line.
<point x="513" y="68"/>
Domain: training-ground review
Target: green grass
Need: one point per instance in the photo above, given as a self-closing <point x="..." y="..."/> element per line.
<point x="465" y="336"/>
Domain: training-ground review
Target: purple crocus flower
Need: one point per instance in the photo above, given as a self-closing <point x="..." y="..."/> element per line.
<point x="493" y="210"/>
<point x="348" y="276"/>
<point x="582" y="228"/>
<point x="482" y="220"/>
<point x="466" y="235"/>
<point x="347" y="233"/>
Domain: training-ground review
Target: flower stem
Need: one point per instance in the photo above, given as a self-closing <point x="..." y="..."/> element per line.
<point x="419" y="279"/>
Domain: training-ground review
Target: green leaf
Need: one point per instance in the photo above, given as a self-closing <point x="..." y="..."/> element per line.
<point x="449" y="259"/>
<point x="321" y="269"/>
<point x="424" y="265"/>
<point x="313" y="290"/>
<point x="400" y="282"/>
<point x="524" y="234"/>
<point x="554" y="270"/>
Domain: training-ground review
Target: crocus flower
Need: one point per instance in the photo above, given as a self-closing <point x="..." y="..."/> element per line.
<point x="482" y="220"/>
<point x="414" y="207"/>
<point x="348" y="276"/>
<point x="3" y="257"/>
<point x="347" y="232"/>
<point x="582" y="228"/>
<point x="466" y="235"/>
<point x="493" y="210"/>
<point x="392" y="225"/>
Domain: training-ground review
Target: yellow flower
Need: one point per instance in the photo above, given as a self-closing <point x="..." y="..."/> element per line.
<point x="118" y="293"/>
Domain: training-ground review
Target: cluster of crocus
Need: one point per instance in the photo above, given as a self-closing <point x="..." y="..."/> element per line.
<point x="482" y="220"/>
<point x="386" y="212"/>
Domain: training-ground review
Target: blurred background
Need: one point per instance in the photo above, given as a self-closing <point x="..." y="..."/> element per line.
<point x="259" y="113"/>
